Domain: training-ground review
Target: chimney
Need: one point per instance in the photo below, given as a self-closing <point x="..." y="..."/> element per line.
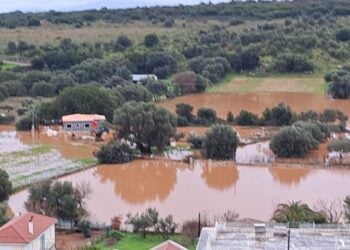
<point x="31" y="226"/>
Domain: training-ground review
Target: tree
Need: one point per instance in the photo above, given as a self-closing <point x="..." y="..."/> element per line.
<point x="290" y="142"/>
<point x="343" y="35"/>
<point x="280" y="115"/>
<point x="136" y="93"/>
<point x="230" y="118"/>
<point x="59" y="199"/>
<point x="347" y="208"/>
<point x="3" y="214"/>
<point x="44" y="89"/>
<point x="151" y="40"/>
<point x="5" y="186"/>
<point x="122" y="43"/>
<point x="11" y="47"/>
<point x="166" y="226"/>
<point x="115" y="152"/>
<point x="86" y="99"/>
<point x="220" y="142"/>
<point x="143" y="222"/>
<point x="189" y="82"/>
<point x="184" y="111"/>
<point x="157" y="88"/>
<point x="206" y="116"/>
<point x="145" y="124"/>
<point x="160" y="63"/>
<point x="246" y="118"/>
<point x="332" y="210"/>
<point x="293" y="63"/>
<point x="296" y="212"/>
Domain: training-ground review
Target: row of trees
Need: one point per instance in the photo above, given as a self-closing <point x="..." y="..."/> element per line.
<point x="233" y="12"/>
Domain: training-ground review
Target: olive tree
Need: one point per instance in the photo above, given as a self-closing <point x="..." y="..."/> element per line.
<point x="145" y="124"/>
<point x="5" y="186"/>
<point x="220" y="142"/>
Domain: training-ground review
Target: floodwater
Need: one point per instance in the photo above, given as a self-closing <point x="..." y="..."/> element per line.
<point x="184" y="190"/>
<point x="257" y="102"/>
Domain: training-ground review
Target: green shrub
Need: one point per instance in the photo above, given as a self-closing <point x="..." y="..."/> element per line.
<point x="85" y="227"/>
<point x="6" y="119"/>
<point x="291" y="142"/>
<point x="220" y="142"/>
<point x="341" y="145"/>
<point x="115" y="152"/>
<point x="246" y="118"/>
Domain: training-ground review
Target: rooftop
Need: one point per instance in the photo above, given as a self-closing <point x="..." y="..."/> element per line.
<point x="83" y="118"/>
<point x="239" y="236"/>
<point x="17" y="229"/>
<point x="169" y="245"/>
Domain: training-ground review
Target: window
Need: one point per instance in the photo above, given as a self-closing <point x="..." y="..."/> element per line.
<point x="42" y="242"/>
<point x="69" y="125"/>
<point x="87" y="125"/>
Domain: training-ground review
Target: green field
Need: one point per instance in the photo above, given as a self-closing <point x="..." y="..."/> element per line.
<point x="277" y="83"/>
<point x="134" y="241"/>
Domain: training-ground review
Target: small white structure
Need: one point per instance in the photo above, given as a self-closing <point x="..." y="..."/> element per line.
<point x="139" y="78"/>
<point x="28" y="232"/>
<point x="82" y="122"/>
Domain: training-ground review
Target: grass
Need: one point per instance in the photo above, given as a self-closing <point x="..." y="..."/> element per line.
<point x="7" y="66"/>
<point x="131" y="241"/>
<point x="87" y="161"/>
<point x="313" y="84"/>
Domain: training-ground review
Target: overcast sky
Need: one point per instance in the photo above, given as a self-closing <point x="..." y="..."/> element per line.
<point x="68" y="5"/>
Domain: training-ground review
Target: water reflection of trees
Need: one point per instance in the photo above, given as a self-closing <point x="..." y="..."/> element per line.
<point x="289" y="176"/>
<point x="219" y="175"/>
<point x="141" y="181"/>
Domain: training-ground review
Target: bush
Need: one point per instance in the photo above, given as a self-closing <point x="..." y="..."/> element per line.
<point x="5" y="186"/>
<point x="184" y="111"/>
<point x="293" y="63"/>
<point x="6" y="119"/>
<point x="206" y="116"/>
<point x="115" y="152"/>
<point x="25" y="123"/>
<point x="343" y="35"/>
<point x="281" y="115"/>
<point x="122" y="43"/>
<point x="190" y="231"/>
<point x="340" y="145"/>
<point x="230" y="118"/>
<point x="85" y="227"/>
<point x="246" y="118"/>
<point x="196" y="141"/>
<point x="220" y="142"/>
<point x="44" y="89"/>
<point x="151" y="40"/>
<point x="290" y="142"/>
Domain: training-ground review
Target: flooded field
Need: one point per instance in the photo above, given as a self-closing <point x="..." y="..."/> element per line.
<point x="257" y="102"/>
<point x="184" y="190"/>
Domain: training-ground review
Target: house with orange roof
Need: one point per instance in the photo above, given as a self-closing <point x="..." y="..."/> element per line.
<point x="29" y="231"/>
<point x="76" y="123"/>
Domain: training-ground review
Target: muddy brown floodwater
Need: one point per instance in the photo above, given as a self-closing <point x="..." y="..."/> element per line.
<point x="257" y="102"/>
<point x="184" y="190"/>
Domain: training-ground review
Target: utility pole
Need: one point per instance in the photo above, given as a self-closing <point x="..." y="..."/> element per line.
<point x="33" y="125"/>
<point x="199" y="224"/>
<point x="288" y="245"/>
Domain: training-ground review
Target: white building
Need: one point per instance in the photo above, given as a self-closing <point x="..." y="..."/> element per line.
<point x="139" y="78"/>
<point x="28" y="232"/>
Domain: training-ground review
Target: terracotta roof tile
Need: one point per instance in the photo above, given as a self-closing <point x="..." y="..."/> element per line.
<point x="16" y="230"/>
<point x="83" y="118"/>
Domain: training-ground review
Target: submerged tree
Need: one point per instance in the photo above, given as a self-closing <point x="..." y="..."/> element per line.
<point x="220" y="142"/>
<point x="145" y="124"/>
